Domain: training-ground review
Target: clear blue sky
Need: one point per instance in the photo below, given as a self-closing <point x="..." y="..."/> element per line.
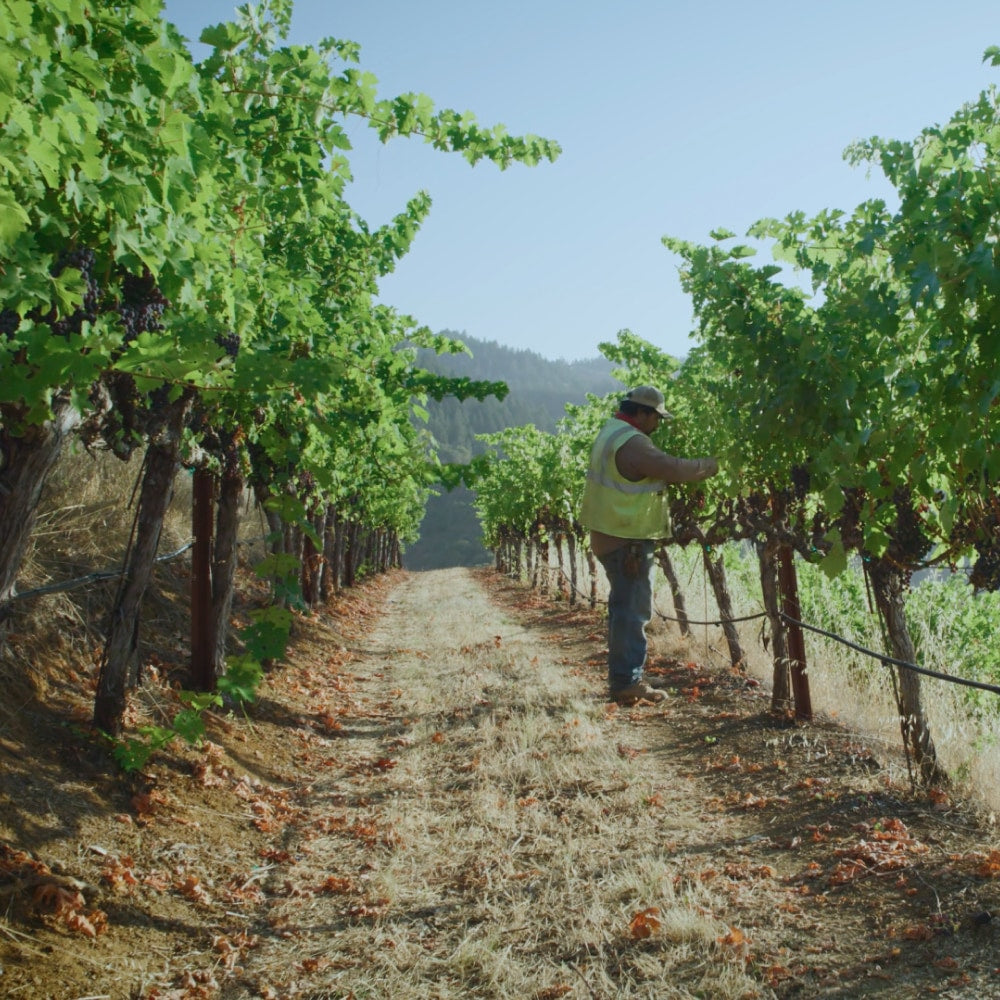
<point x="674" y="118"/>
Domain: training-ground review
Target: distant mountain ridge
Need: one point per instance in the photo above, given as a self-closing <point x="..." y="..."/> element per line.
<point x="539" y="391"/>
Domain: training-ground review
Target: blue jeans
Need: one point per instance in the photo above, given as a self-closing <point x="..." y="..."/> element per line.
<point x="630" y="607"/>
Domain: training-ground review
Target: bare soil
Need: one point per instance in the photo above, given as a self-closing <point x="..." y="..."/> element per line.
<point x="254" y="866"/>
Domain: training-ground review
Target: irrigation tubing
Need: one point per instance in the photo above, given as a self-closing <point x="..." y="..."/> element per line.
<point x="980" y="685"/>
<point x="109" y="574"/>
<point x="904" y="664"/>
<point x="53" y="588"/>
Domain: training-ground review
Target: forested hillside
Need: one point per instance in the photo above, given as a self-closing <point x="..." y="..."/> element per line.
<point x="539" y="391"/>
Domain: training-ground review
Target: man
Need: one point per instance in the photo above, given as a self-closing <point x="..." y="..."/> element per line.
<point x="626" y="507"/>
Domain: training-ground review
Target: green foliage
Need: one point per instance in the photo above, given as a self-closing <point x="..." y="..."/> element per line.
<point x="267" y="635"/>
<point x="954" y="630"/>
<point x="189" y="726"/>
<point x="241" y="679"/>
<point x="225" y="180"/>
<point x="848" y="386"/>
<point x="133" y="753"/>
<point x="221" y="184"/>
<point x="879" y="385"/>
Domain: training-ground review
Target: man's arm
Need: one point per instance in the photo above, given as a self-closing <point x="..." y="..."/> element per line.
<point x="639" y="458"/>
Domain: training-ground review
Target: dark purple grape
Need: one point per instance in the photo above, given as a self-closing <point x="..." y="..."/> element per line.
<point x="141" y="306"/>
<point x="9" y="322"/>
<point x="81" y="259"/>
<point x="159" y="398"/>
<point x="985" y="573"/>
<point x="229" y="342"/>
<point x="800" y="481"/>
<point x="910" y="542"/>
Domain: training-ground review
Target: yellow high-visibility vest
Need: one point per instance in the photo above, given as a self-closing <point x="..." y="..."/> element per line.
<point x="618" y="506"/>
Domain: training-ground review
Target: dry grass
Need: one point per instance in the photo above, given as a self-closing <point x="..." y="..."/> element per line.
<point x="520" y="840"/>
<point x="857" y="691"/>
<point x="847" y="687"/>
<point x="543" y="846"/>
<point x="83" y="526"/>
<point x="433" y="800"/>
<point x="85" y="517"/>
<point x="86" y="514"/>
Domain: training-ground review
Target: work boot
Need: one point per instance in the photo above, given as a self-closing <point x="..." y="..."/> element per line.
<point x="640" y="691"/>
<point x="660" y="683"/>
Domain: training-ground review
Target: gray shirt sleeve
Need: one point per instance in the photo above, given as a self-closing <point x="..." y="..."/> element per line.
<point x="639" y="458"/>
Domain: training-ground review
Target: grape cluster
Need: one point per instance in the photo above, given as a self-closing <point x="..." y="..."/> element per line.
<point x="9" y="322"/>
<point x="158" y="399"/>
<point x="141" y="305"/>
<point x="229" y="342"/>
<point x="121" y="427"/>
<point x="978" y="525"/>
<point x="82" y="259"/>
<point x="851" y="531"/>
<point x="985" y="573"/>
<point x="800" y="481"/>
<point x="910" y="542"/>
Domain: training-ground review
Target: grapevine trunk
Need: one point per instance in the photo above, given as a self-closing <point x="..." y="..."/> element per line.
<point x="781" y="691"/>
<point x="27" y="460"/>
<point x="889" y="585"/>
<point x="119" y="663"/>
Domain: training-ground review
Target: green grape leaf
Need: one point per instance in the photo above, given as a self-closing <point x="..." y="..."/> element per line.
<point x="189" y="724"/>
<point x="241" y="679"/>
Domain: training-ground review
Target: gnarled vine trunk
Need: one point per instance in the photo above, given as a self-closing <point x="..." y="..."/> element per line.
<point x="667" y="567"/>
<point x="716" y="571"/>
<point x="213" y="573"/>
<point x="329" y="581"/>
<point x="200" y="600"/>
<point x="312" y="567"/>
<point x="592" y="570"/>
<point x="544" y="569"/>
<point x="571" y="553"/>
<point x="224" y="560"/>
<point x="562" y="581"/>
<point x="119" y="669"/>
<point x="889" y="586"/>
<point x="352" y="553"/>
<point x="26" y="460"/>
<point x="781" y="691"/>
<point x="338" y="552"/>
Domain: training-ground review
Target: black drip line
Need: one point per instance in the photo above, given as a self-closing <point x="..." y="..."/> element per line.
<point x="109" y="574"/>
<point x="881" y="657"/>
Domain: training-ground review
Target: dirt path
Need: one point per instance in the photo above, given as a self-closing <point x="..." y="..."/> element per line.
<point x="433" y="799"/>
<point x="841" y="882"/>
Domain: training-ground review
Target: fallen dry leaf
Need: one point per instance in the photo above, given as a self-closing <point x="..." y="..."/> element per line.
<point x="645" y="923"/>
<point x="337" y="884"/>
<point x="734" y="939"/>
<point x="58" y="899"/>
